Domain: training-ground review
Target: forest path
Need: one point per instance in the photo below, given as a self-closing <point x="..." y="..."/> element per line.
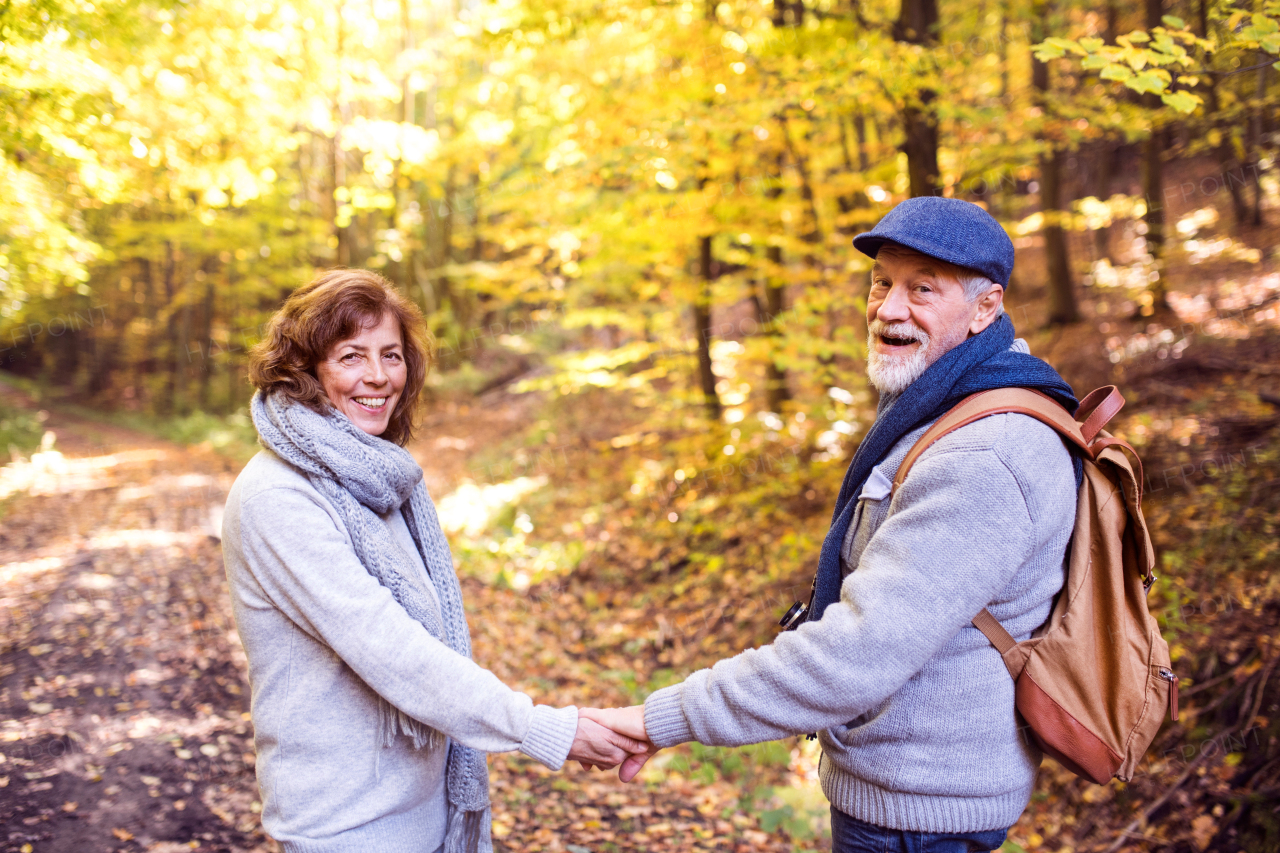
<point x="122" y="681"/>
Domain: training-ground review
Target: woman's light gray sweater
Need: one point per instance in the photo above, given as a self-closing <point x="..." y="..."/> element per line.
<point x="323" y="639"/>
<point x="914" y="705"/>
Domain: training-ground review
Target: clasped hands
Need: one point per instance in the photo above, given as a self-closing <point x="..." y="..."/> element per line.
<point x="612" y="737"/>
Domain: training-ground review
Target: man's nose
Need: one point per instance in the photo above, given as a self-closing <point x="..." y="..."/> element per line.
<point x="894" y="308"/>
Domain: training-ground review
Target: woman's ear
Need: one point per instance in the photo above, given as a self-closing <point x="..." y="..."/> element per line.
<point x="989" y="307"/>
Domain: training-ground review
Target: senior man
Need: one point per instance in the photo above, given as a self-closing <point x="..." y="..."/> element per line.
<point x="915" y="708"/>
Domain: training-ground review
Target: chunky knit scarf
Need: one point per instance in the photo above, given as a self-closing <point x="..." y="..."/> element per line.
<point x="364" y="476"/>
<point x="980" y="363"/>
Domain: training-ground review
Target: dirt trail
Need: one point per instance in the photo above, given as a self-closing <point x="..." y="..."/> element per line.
<point x="121" y="683"/>
<point x="123" y="704"/>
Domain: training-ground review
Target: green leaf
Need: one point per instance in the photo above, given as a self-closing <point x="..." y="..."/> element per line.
<point x="1147" y="81"/>
<point x="1093" y="45"/>
<point x="1116" y="72"/>
<point x="1093" y="62"/>
<point x="1174" y="21"/>
<point x="1183" y="102"/>
<point x="1066" y="45"/>
<point x="1136" y="58"/>
<point x="1264" y="25"/>
<point x="1045" y="51"/>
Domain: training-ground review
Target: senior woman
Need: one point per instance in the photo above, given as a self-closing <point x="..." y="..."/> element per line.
<point x="371" y="721"/>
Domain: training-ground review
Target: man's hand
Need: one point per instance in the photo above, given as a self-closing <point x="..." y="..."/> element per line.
<point x="597" y="745"/>
<point x="629" y="722"/>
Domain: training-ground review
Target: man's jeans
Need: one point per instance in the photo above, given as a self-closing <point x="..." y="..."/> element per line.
<point x="850" y="835"/>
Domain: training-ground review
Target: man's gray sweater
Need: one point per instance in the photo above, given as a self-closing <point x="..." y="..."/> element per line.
<point x="914" y="705"/>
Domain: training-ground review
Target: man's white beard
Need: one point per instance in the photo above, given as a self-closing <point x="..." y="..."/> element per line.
<point x="891" y="374"/>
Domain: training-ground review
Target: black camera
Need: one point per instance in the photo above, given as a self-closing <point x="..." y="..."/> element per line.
<point x="794" y="617"/>
<point x="799" y="611"/>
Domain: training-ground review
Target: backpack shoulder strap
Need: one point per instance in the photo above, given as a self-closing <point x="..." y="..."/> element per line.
<point x="1095" y="410"/>
<point x="1022" y="401"/>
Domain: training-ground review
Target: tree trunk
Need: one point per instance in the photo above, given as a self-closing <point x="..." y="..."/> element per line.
<point x="173" y="389"/>
<point x="776" y="386"/>
<point x="101" y="352"/>
<point x="1260" y="95"/>
<point x="445" y="293"/>
<point x="400" y="186"/>
<point x="917" y="24"/>
<point x="784" y="13"/>
<point x="337" y="164"/>
<point x="776" y="389"/>
<point x="813" y="233"/>
<point x="206" y="338"/>
<point x="1227" y="162"/>
<point x="1106" y="153"/>
<point x="232" y="308"/>
<point x="1105" y="159"/>
<point x="860" y="128"/>
<point x="921" y="148"/>
<point x="848" y="203"/>
<point x="1153" y="190"/>
<point x="1224" y="151"/>
<point x="702" y="328"/>
<point x="1062" y="295"/>
<point x="141" y="367"/>
<point x="182" y="357"/>
<point x="1003" y="41"/>
<point x="1153" y="182"/>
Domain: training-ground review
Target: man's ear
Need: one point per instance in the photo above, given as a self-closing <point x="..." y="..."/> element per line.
<point x="989" y="305"/>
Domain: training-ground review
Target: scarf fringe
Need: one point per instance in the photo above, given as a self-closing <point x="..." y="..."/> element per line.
<point x="392" y="722"/>
<point x="469" y="832"/>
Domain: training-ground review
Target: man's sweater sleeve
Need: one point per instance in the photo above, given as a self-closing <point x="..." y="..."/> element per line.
<point x="957" y="532"/>
<point x="305" y="566"/>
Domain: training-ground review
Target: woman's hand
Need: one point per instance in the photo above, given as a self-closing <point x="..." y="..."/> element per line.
<point x="628" y="722"/>
<point x="597" y="745"/>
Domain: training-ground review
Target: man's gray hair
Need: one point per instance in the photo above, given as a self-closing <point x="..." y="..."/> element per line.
<point x="974" y="284"/>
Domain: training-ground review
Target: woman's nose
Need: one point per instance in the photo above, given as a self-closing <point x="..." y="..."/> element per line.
<point x="375" y="373"/>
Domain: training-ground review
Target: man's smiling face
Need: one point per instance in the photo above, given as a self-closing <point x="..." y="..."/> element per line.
<point x="917" y="311"/>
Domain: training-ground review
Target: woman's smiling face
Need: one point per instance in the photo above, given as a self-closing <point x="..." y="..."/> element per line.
<point x="364" y="375"/>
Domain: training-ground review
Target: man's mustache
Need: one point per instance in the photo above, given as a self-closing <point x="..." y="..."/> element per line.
<point x="906" y="331"/>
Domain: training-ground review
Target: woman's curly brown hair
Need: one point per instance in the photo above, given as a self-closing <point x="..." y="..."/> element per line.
<point x="335" y="306"/>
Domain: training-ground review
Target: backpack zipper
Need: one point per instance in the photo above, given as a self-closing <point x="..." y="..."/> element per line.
<point x="1169" y="676"/>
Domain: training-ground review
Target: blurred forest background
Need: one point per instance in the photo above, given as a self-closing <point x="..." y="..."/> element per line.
<point x="628" y="224"/>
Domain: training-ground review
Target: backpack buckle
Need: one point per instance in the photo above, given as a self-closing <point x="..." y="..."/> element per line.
<point x="1148" y="581"/>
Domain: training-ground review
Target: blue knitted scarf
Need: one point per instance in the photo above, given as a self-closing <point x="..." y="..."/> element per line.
<point x="981" y="363"/>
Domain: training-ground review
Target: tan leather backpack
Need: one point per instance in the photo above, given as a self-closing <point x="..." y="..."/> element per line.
<point x="1092" y="683"/>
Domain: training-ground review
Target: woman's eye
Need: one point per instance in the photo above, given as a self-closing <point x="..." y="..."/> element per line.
<point x="350" y="358"/>
<point x="392" y="356"/>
